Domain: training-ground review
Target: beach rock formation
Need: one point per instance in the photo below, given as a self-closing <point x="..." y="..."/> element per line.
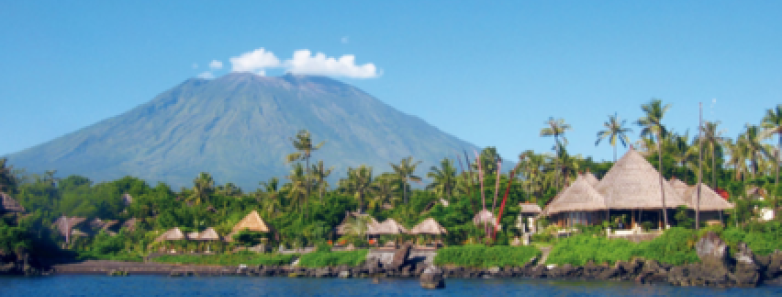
<point x="432" y="278"/>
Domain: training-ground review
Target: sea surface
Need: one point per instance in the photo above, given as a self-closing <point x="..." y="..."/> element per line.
<point x="96" y="285"/>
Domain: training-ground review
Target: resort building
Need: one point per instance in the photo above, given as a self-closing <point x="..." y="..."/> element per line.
<point x="632" y="189"/>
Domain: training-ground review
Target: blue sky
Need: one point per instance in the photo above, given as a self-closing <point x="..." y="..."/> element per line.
<point x="489" y="73"/>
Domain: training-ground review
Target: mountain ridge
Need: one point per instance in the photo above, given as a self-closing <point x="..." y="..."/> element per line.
<point x="238" y="127"/>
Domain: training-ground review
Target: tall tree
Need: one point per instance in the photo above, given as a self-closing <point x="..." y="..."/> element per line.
<point x="614" y="130"/>
<point x="556" y="128"/>
<point x="384" y="190"/>
<point x="360" y="183"/>
<point x="738" y="157"/>
<point x="755" y="149"/>
<point x="297" y="188"/>
<point x="271" y="203"/>
<point x="406" y="173"/>
<point x="683" y="153"/>
<point x="651" y="124"/>
<point x="303" y="144"/>
<point x="713" y="138"/>
<point x="320" y="173"/>
<point x="7" y="179"/>
<point x="203" y="187"/>
<point x="772" y="122"/>
<point x="443" y="178"/>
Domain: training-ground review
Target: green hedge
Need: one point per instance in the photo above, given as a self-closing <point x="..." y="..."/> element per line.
<point x="87" y="255"/>
<point x="483" y="256"/>
<point x="676" y="246"/>
<point x="324" y="259"/>
<point x="228" y="259"/>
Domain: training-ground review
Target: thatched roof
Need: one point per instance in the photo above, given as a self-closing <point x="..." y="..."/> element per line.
<point x="65" y="225"/>
<point x="342" y="227"/>
<point x="193" y="235"/>
<point x="710" y="200"/>
<point x="591" y="179"/>
<point x="252" y="222"/>
<point x="209" y="234"/>
<point x="428" y="226"/>
<point x="127" y="199"/>
<point x="388" y="227"/>
<point x="633" y="183"/>
<point x="172" y="235"/>
<point x="484" y="217"/>
<point x="530" y="208"/>
<point x="130" y="225"/>
<point x="755" y="191"/>
<point x="680" y="187"/>
<point x="580" y="196"/>
<point x="8" y="204"/>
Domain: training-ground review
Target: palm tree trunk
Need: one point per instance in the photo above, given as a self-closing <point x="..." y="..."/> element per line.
<point x="779" y="151"/>
<point x="307" y="178"/>
<point x="614" y="153"/>
<point x="404" y="189"/>
<point x="556" y="165"/>
<point x="714" y="167"/>
<point x="662" y="189"/>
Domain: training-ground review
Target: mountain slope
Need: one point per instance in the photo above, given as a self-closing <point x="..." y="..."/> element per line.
<point x="238" y="128"/>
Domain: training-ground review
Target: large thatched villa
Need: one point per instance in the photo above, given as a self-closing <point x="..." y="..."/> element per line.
<point x="631" y="188"/>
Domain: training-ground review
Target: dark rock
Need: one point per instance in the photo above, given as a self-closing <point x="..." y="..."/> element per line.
<point x="747" y="271"/>
<point x="344" y="274"/>
<point x="539" y="271"/>
<point x="400" y="256"/>
<point x="712" y="250"/>
<point x="432" y="278"/>
<point x="323" y="272"/>
<point x="590" y="270"/>
<point x="613" y="273"/>
<point x="773" y="268"/>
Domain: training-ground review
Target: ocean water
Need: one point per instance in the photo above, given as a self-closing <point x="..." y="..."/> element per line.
<point x="96" y="285"/>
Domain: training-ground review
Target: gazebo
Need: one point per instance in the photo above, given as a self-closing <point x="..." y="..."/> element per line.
<point x="66" y="227"/>
<point x="209" y="235"/>
<point x="428" y="227"/>
<point x="342" y="229"/>
<point x="174" y="234"/>
<point x="9" y="205"/>
<point x="389" y="227"/>
<point x="252" y="222"/>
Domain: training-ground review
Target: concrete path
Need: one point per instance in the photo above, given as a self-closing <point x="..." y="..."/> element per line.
<point x="544" y="257"/>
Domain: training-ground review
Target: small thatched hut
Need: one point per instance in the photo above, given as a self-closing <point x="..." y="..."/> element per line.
<point x="209" y="235"/>
<point x="252" y="222"/>
<point x="530" y="209"/>
<point x="428" y="226"/>
<point x="579" y="203"/>
<point x="342" y="228"/>
<point x="129" y="225"/>
<point x="173" y="234"/>
<point x="65" y="225"/>
<point x="484" y="217"/>
<point x="389" y="227"/>
<point x="9" y="205"/>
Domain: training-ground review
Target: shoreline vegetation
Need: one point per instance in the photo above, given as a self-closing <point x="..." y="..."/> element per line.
<point x="48" y="220"/>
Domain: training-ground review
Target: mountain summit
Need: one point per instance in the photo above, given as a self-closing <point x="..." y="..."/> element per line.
<point x="238" y="128"/>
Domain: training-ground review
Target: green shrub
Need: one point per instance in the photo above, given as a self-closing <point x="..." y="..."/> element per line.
<point x="228" y="259"/>
<point x="328" y="259"/>
<point x="483" y="256"/>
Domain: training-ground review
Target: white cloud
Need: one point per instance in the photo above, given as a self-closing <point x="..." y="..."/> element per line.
<point x="195" y="66"/>
<point x="206" y="75"/>
<point x="345" y="39"/>
<point x="254" y="61"/>
<point x="304" y="62"/>
<point x="215" y="64"/>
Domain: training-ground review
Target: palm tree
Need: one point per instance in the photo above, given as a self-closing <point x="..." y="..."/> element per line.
<point x="755" y="149"/>
<point x="683" y="153"/>
<point x="7" y="179"/>
<point x="384" y="189"/>
<point x="406" y="173"/>
<point x="360" y="182"/>
<point x="203" y="187"/>
<point x="614" y="130"/>
<point x="652" y="125"/>
<point x="271" y="204"/>
<point x="297" y="188"/>
<point x="738" y="157"/>
<point x="556" y="128"/>
<point x="443" y="178"/>
<point x="303" y="143"/>
<point x="320" y="173"/>
<point x="772" y="122"/>
<point x="713" y="139"/>
<point x="229" y="190"/>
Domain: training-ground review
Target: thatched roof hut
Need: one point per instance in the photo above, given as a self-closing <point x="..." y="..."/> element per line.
<point x="530" y="208"/>
<point x="130" y="225"/>
<point x="633" y="183"/>
<point x="252" y="222"/>
<point x="209" y="235"/>
<point x="484" y="217"/>
<point x="342" y="227"/>
<point x="66" y="225"/>
<point x="428" y="226"/>
<point x="8" y="204"/>
<point x="710" y="200"/>
<point x="388" y="227"/>
<point x="172" y="235"/>
<point x="580" y="196"/>
<point x="591" y="179"/>
<point x="193" y="235"/>
<point x="755" y="192"/>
